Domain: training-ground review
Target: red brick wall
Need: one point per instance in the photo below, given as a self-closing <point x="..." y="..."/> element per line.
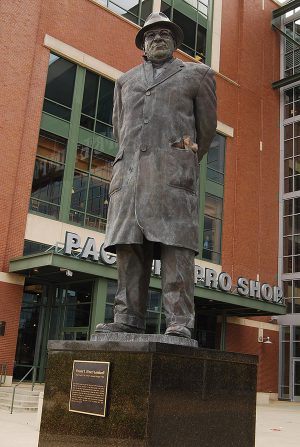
<point x="244" y="339"/>
<point x="250" y="57"/>
<point x="81" y="24"/>
<point x="10" y="305"/>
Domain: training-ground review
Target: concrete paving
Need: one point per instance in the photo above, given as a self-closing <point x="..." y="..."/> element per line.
<point x="277" y="425"/>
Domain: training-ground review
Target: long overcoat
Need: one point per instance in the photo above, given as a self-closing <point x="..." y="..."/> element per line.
<point x="154" y="191"/>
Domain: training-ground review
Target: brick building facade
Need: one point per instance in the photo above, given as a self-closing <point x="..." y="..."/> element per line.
<point x="239" y="203"/>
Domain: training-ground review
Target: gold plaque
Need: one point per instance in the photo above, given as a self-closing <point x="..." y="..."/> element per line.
<point x="88" y="393"/>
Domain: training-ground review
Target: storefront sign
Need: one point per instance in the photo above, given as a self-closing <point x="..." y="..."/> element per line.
<point x="206" y="277"/>
<point x="88" y="392"/>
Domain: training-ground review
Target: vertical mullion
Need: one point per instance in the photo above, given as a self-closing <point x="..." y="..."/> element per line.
<point x="72" y="145"/>
<point x="140" y="12"/>
<point x="99" y="302"/>
<point x="209" y="32"/>
<point x="172" y="10"/>
<point x="196" y="29"/>
<point x="202" y="190"/>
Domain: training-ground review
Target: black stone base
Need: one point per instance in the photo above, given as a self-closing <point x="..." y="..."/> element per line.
<point x="159" y="395"/>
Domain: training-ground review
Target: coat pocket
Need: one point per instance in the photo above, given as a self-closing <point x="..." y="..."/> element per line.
<point x="181" y="168"/>
<point x="117" y="174"/>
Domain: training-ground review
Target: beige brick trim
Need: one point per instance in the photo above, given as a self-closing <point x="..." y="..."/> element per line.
<point x="224" y="129"/>
<point x="77" y="56"/>
<point x="12" y="278"/>
<point x="253" y="323"/>
<point x="216" y="35"/>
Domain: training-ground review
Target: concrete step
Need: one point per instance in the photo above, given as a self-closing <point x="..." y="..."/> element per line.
<point x="25" y="399"/>
<point x="20" y="396"/>
<point x="17" y="408"/>
<point x="21" y="402"/>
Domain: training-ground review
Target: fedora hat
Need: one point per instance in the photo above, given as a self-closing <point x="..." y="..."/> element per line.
<point x="159" y="18"/>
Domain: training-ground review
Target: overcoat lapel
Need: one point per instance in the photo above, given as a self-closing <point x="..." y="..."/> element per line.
<point x="172" y="69"/>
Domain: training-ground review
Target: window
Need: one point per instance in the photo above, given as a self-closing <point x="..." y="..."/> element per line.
<point x="291" y="51"/>
<point x="48" y="174"/>
<point x="216" y="160"/>
<point x="97" y="104"/>
<point x="291" y="235"/>
<point x="134" y="10"/>
<point x="213" y="201"/>
<point x="59" y="87"/>
<point x="291" y="293"/>
<point x="212" y="228"/>
<point x="75" y="149"/>
<point x="89" y="202"/>
<point x="292" y="157"/>
<point x="191" y="16"/>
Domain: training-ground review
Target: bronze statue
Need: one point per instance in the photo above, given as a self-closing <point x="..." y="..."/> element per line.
<point x="164" y="120"/>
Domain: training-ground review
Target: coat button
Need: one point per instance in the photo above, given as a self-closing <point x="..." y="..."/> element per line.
<point x="144" y="148"/>
<point x="146" y="121"/>
<point x="148" y="93"/>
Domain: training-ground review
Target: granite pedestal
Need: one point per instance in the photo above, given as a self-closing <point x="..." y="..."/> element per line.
<point x="159" y="395"/>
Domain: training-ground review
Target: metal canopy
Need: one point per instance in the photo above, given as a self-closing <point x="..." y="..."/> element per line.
<point x="52" y="268"/>
<point x="276" y="25"/>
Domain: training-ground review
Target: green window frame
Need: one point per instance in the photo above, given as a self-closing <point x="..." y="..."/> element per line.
<point x="134" y="10"/>
<point x="211" y="185"/>
<point x="195" y="18"/>
<point x="74" y="130"/>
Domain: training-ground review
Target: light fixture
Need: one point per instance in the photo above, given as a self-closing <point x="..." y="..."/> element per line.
<point x="262" y="339"/>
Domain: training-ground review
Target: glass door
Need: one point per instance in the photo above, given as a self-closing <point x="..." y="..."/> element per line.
<point x="296" y="380"/>
<point x="68" y="316"/>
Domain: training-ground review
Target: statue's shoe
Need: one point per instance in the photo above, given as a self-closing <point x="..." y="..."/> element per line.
<point x="178" y="331"/>
<point x="107" y="328"/>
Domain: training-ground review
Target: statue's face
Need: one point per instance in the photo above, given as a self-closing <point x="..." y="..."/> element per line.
<point x="159" y="44"/>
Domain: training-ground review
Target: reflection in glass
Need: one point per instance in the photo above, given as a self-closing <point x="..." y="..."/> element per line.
<point x="288" y="132"/>
<point x="83" y="157"/>
<point x="287" y="289"/>
<point x="288" y="264"/>
<point x="288" y="207"/>
<point x="189" y="19"/>
<point x="79" y="191"/>
<point x="60" y="80"/>
<point x="288" y="148"/>
<point x="297" y="263"/>
<point x="48" y="174"/>
<point x="90" y="93"/>
<point x="215" y="160"/>
<point x="105" y="102"/>
<point x="288" y="96"/>
<point x="57" y="110"/>
<point x="287" y="246"/>
<point x="47" y="181"/>
<point x="288" y="225"/>
<point x="288" y="184"/>
<point x="288" y="167"/>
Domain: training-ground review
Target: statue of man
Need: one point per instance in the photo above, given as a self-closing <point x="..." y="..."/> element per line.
<point x="164" y="120"/>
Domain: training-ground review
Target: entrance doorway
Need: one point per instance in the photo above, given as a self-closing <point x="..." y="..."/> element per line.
<point x="51" y="313"/>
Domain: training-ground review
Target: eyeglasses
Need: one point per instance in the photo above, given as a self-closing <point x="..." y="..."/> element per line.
<point x="163" y="33"/>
